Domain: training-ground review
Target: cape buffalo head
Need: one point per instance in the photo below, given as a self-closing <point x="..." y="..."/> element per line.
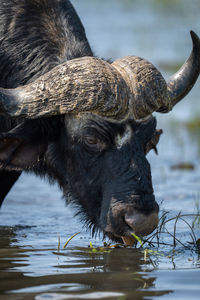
<point x="79" y="125"/>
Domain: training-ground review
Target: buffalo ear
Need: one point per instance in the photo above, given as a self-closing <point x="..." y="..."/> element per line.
<point x="21" y="148"/>
<point x="152" y="143"/>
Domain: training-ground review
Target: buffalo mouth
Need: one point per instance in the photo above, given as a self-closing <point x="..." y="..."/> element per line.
<point x="125" y="219"/>
<point x="140" y="225"/>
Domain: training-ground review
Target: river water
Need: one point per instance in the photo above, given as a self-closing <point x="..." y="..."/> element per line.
<point x="34" y="216"/>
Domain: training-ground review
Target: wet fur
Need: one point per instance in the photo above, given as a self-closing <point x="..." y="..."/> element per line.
<point x="36" y="35"/>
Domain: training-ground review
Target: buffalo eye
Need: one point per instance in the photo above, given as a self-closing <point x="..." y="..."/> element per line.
<point x="94" y="143"/>
<point x="91" y="140"/>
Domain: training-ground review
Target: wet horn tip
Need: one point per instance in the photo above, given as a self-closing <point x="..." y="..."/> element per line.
<point x="196" y="41"/>
<point x="182" y="82"/>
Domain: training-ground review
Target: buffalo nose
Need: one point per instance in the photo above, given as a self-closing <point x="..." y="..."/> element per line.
<point x="141" y="224"/>
<point x="139" y="215"/>
<point x="143" y="219"/>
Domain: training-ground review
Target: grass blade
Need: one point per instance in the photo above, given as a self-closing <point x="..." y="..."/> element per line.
<point x="67" y="242"/>
<point x="137" y="238"/>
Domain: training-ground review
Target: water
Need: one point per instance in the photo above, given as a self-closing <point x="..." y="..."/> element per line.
<point x="34" y="214"/>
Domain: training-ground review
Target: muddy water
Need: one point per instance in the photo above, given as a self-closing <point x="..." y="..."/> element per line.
<point x="34" y="214"/>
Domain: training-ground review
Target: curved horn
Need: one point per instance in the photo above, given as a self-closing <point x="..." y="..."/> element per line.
<point x="182" y="82"/>
<point x="85" y="84"/>
<point x="129" y="87"/>
<point x="150" y="92"/>
<point x="147" y="87"/>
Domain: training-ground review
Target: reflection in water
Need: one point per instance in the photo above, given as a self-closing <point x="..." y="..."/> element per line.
<point x="76" y="270"/>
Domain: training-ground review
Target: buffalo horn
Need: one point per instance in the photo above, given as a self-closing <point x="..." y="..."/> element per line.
<point x="129" y="87"/>
<point x="149" y="91"/>
<point x="182" y="82"/>
<point x="85" y="84"/>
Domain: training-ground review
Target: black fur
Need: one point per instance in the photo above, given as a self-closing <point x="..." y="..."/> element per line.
<point x="37" y="35"/>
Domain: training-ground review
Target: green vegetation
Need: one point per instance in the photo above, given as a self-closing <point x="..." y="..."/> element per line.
<point x="157" y="238"/>
<point x="193" y="127"/>
<point x="67" y="242"/>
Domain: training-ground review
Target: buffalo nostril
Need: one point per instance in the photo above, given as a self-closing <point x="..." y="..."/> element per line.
<point x="142" y="224"/>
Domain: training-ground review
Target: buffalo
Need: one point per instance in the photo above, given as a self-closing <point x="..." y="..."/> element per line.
<point x="79" y="120"/>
